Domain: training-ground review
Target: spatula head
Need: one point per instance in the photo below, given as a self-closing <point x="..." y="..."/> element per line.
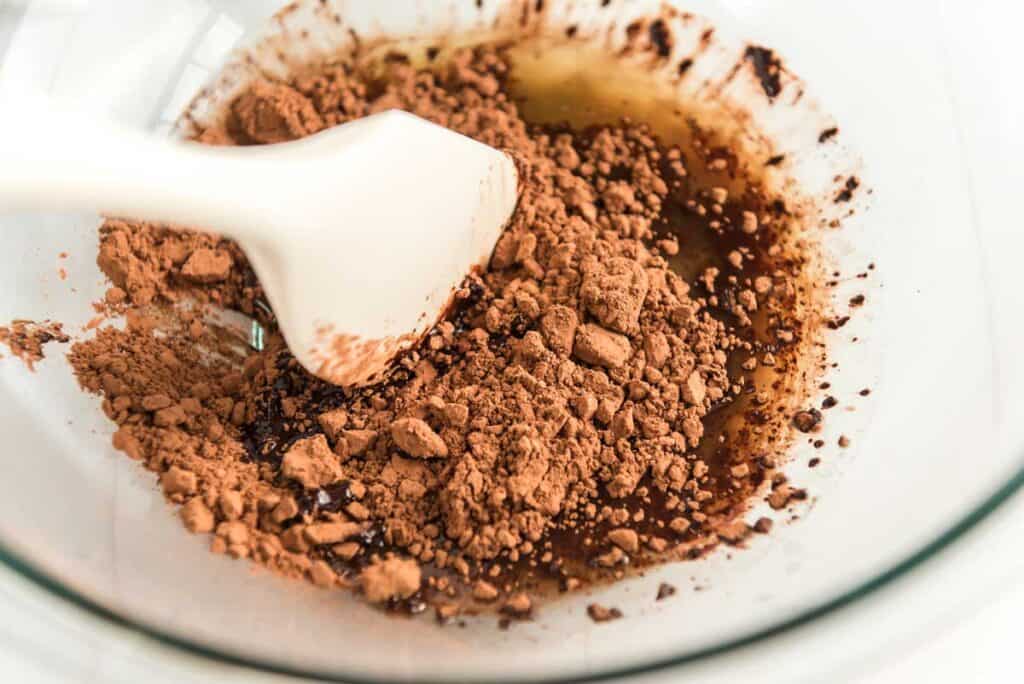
<point x="390" y="215"/>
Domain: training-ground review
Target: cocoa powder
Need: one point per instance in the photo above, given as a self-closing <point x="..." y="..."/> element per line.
<point x="25" y="339"/>
<point x="552" y="428"/>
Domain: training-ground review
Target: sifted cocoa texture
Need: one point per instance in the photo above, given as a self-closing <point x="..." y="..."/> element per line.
<point x="554" y="424"/>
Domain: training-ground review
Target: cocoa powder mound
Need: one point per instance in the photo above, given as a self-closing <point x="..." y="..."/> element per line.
<point x="566" y="398"/>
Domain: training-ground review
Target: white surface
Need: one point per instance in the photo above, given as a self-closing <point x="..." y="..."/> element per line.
<point x="868" y="639"/>
<point x="977" y="647"/>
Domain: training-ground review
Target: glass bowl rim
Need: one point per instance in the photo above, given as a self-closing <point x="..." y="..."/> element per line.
<point x="78" y="600"/>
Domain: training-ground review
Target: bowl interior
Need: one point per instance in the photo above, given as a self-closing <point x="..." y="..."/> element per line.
<point x="923" y="443"/>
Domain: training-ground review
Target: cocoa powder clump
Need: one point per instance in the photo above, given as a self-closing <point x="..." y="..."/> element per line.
<point x="599" y="613"/>
<point x="152" y="264"/>
<point x="272" y="113"/>
<point x="393" y="578"/>
<point x="25" y="339"/>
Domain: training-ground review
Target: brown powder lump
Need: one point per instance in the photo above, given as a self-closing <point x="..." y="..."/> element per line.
<point x="550" y="433"/>
<point x="25" y="339"/>
<point x="599" y="613"/>
<point x="154" y="264"/>
<point x="390" y="579"/>
<point x="273" y="113"/>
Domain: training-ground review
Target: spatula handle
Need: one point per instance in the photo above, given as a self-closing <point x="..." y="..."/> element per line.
<point x="59" y="160"/>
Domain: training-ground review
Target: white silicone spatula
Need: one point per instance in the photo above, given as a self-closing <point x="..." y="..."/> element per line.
<point x="359" y="234"/>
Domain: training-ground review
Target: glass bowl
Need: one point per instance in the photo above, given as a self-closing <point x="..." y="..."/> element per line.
<point x="928" y="455"/>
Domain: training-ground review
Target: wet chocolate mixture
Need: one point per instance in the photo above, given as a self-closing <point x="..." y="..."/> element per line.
<point x="611" y="392"/>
